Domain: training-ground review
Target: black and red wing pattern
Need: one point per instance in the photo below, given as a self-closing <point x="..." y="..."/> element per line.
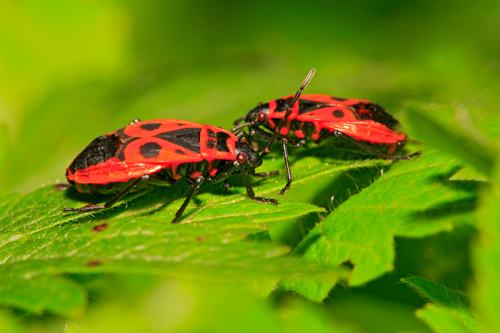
<point x="147" y="147"/>
<point x="360" y="119"/>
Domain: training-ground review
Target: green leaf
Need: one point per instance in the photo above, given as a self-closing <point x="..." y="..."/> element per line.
<point x="40" y="244"/>
<point x="399" y="203"/>
<point x="454" y="302"/>
<point x="438" y="293"/>
<point x="486" y="255"/>
<point x="441" y="320"/>
<point x="74" y="70"/>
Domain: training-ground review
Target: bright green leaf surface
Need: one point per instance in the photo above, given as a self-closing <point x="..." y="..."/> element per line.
<point x="38" y="241"/>
<point x="362" y="229"/>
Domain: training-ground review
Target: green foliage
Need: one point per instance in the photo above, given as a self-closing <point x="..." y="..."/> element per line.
<point x="486" y="255"/>
<point x="331" y="256"/>
<point x="211" y="246"/>
<point x="362" y="229"/>
<point x="441" y="320"/>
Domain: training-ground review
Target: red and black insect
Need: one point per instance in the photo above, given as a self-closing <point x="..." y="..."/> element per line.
<point x="295" y="118"/>
<point x="161" y="152"/>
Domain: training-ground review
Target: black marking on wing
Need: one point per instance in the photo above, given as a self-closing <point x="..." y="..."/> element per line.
<point x="338" y="113"/>
<point x="377" y="113"/>
<point x="306" y="106"/>
<point x="222" y="142"/>
<point x="150" y="150"/>
<point x="188" y="138"/>
<point x="211" y="134"/>
<point x="150" y="126"/>
<point x="339" y="99"/>
<point x="210" y="144"/>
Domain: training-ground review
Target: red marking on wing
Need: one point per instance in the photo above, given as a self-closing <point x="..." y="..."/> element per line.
<point x="167" y="155"/>
<point x="112" y="171"/>
<point x="367" y="130"/>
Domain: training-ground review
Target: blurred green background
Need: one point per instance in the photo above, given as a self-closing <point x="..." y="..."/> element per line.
<point x="72" y="70"/>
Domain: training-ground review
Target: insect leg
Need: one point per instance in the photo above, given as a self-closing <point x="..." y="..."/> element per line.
<point x="260" y="134"/>
<point x="250" y="191"/>
<point x="289" y="176"/>
<point x="110" y="203"/>
<point x="266" y="174"/>
<point x="194" y="188"/>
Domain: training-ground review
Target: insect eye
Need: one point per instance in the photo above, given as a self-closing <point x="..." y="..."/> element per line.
<point x="241" y="158"/>
<point x="261" y="116"/>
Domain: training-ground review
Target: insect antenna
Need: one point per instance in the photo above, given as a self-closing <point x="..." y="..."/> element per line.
<point x="264" y="149"/>
<point x="289" y="110"/>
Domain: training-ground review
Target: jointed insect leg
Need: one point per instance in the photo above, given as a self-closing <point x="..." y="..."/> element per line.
<point x="110" y="203"/>
<point x="262" y="135"/>
<point x="194" y="188"/>
<point x="289" y="176"/>
<point x="250" y="191"/>
<point x="266" y="174"/>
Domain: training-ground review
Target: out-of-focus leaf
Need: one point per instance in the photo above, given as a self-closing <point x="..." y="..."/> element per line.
<point x="454" y="305"/>
<point x="486" y="256"/>
<point x="441" y="320"/>
<point x="448" y="138"/>
<point x="180" y="305"/>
